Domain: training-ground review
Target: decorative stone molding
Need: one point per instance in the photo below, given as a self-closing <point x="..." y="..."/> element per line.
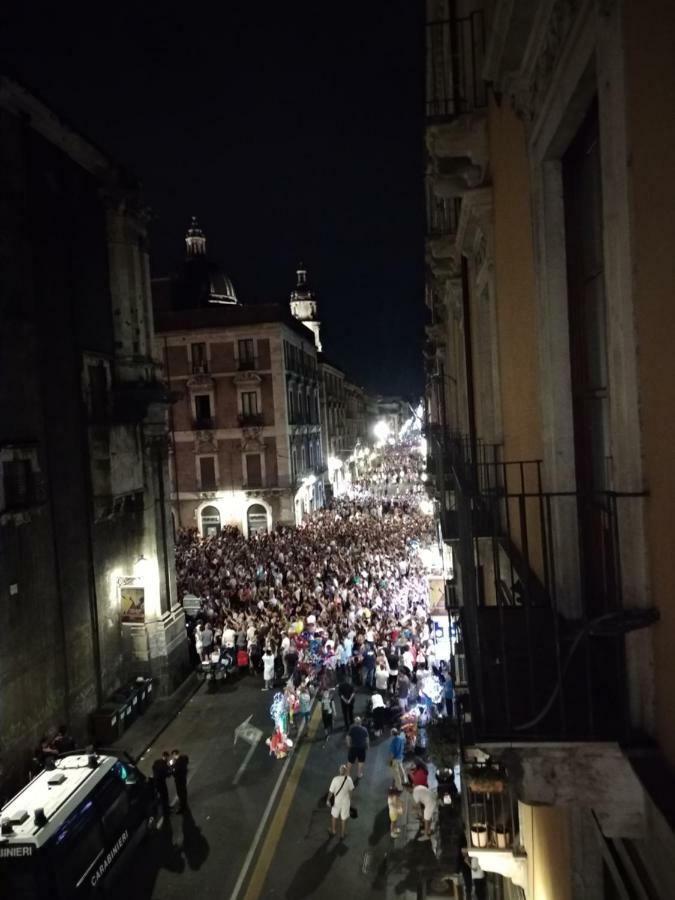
<point x="200" y="382"/>
<point x="205" y="442"/>
<point x="247" y="377"/>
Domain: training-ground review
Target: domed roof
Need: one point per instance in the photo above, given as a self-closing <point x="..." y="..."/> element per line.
<point x="201" y="281"/>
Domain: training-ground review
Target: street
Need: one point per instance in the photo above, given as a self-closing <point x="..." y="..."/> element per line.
<point x="235" y="844"/>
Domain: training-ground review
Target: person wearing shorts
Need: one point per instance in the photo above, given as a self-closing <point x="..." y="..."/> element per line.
<point x="395" y="811"/>
<point x="340" y="791"/>
<point x="426" y="803"/>
<point x="357" y="743"/>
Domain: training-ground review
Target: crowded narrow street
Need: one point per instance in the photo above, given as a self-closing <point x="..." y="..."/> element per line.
<point x="301" y="618"/>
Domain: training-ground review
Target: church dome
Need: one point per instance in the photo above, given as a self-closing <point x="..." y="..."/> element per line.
<point x="201" y="281"/>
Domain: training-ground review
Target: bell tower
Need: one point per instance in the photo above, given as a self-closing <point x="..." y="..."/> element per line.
<point x="304" y="305"/>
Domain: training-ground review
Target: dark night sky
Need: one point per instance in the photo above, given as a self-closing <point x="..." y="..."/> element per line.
<point x="293" y="131"/>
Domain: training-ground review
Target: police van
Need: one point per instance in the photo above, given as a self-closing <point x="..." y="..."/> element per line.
<point x="68" y="833"/>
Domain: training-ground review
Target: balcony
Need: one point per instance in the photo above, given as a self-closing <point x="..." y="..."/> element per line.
<point x="454" y="54"/>
<point x="247" y="363"/>
<point x="207" y="423"/>
<point x="251" y="420"/>
<point x="540" y="597"/>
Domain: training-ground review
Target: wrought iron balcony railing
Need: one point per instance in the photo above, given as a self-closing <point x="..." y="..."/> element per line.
<point x="251" y="420"/>
<point x="454" y="61"/>
<point x="540" y="597"/>
<point x="205" y="423"/>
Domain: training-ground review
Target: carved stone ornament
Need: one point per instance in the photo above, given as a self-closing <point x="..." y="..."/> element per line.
<point x="205" y="442"/>
<point x="560" y="21"/>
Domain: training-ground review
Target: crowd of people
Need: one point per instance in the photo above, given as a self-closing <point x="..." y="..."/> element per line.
<point x="337" y="604"/>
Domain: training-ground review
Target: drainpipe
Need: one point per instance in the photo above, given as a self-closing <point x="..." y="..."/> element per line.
<point x="468" y="358"/>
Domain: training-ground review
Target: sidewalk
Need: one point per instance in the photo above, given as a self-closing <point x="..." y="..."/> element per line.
<point x="140" y="736"/>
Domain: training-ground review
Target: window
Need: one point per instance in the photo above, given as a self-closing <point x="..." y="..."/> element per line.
<point x="256" y="517"/>
<point x="210" y="521"/>
<point x="98" y="391"/>
<point x="202" y="407"/>
<point x="246" y="352"/>
<point x="198" y="354"/>
<point x="207" y="473"/>
<point x="253" y="470"/>
<point x="249" y="403"/>
<point x="18" y="483"/>
<point x="291" y="407"/>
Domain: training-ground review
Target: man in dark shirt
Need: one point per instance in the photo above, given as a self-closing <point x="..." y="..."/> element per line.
<point x="179" y="767"/>
<point x="357" y="742"/>
<point x="160" y="773"/>
<point x="347" y="696"/>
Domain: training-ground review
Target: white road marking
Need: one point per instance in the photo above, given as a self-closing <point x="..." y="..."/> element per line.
<point x="263" y="822"/>
<point x="245" y="762"/>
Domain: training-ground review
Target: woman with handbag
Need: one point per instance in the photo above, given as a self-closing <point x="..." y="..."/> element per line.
<point x="339" y="800"/>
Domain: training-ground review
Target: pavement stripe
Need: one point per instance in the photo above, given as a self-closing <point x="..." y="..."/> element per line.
<point x="263" y="862"/>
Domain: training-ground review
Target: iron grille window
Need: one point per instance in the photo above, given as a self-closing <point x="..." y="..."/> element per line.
<point x="198" y="353"/>
<point x="249" y="403"/>
<point x="18" y="483"/>
<point x="246" y="352"/>
<point x="207" y="473"/>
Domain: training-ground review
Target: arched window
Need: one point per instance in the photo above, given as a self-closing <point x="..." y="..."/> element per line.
<point x="210" y="521"/>
<point x="256" y="516"/>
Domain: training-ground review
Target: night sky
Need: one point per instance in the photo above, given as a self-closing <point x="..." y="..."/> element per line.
<point x="292" y="131"/>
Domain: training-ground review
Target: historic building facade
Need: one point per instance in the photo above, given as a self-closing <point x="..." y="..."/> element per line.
<point x="333" y="424"/>
<point x="245" y="423"/>
<point x="304" y="305"/>
<point x="86" y="545"/>
<point x="549" y="384"/>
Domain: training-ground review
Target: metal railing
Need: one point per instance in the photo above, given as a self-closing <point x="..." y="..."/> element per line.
<point x="247" y="363"/>
<point x="490" y="809"/>
<point x="251" y="420"/>
<point x="454" y="60"/>
<point x="540" y="592"/>
<point x="206" y="423"/>
<point x="442" y="212"/>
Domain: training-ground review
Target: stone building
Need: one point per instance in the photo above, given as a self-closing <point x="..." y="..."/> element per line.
<point x="550" y="379"/>
<point x="245" y="423"/>
<point x="87" y="584"/>
<point x="333" y="424"/>
<point x="304" y="305"/>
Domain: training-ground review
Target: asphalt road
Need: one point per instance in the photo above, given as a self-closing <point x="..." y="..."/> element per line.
<point x="267" y="836"/>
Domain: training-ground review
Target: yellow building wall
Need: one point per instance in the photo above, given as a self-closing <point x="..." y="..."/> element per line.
<point x="515" y="286"/>
<point x="649" y="33"/>
<point x="546" y="838"/>
<point x="516" y="310"/>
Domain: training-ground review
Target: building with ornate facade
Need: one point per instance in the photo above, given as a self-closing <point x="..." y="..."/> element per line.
<point x="550" y="370"/>
<point x="87" y="585"/>
<point x="333" y="424"/>
<point x="246" y="444"/>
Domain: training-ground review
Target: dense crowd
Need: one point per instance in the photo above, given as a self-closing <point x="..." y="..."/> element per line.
<point x="329" y="594"/>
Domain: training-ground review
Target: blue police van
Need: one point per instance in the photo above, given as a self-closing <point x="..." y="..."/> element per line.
<point x="71" y="830"/>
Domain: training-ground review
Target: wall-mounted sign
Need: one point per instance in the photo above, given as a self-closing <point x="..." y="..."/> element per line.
<point x="132" y="600"/>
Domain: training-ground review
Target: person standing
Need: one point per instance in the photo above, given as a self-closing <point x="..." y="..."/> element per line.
<point x="327" y="712"/>
<point x="347" y="696"/>
<point x="179" y="767"/>
<point x="403" y="690"/>
<point x="339" y="800"/>
<point x="396" y="754"/>
<point x="478" y="879"/>
<point x="357" y="743"/>
<point x="395" y="811"/>
<point x="160" y="773"/>
<point x="268" y="669"/>
<point x="305" y="700"/>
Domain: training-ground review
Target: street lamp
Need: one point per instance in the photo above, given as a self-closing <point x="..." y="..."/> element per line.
<point x="381" y="431"/>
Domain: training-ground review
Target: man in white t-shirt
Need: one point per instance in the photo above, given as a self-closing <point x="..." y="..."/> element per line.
<point x="426" y="802"/>
<point x="340" y="790"/>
